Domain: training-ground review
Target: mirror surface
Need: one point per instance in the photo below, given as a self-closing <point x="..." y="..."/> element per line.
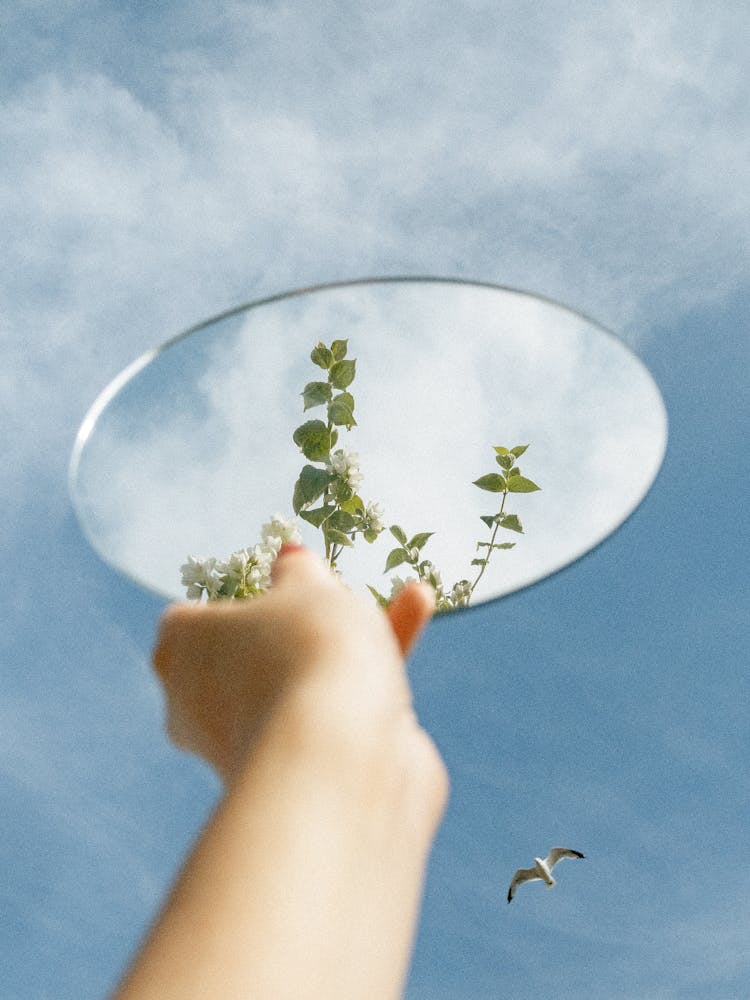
<point x="189" y="451"/>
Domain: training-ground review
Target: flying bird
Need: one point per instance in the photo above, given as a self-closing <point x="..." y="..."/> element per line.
<point x="542" y="869"/>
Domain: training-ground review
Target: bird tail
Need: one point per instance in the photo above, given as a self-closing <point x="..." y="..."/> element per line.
<point x="551" y="884"/>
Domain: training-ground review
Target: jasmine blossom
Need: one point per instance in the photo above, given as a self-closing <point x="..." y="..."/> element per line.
<point x="326" y="496"/>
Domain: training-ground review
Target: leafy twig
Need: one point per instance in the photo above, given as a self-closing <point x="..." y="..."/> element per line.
<point x="331" y="478"/>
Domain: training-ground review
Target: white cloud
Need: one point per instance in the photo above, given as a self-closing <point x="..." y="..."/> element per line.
<point x="196" y="453"/>
<point x="600" y="157"/>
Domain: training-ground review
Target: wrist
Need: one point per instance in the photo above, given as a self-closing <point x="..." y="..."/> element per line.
<point x="387" y="766"/>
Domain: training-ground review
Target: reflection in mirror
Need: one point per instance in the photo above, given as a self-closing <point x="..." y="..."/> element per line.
<point x="190" y="450"/>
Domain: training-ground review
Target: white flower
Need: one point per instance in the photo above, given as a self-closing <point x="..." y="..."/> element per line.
<point x="260" y="561"/>
<point x="278" y="531"/>
<point x="398" y="584"/>
<point x="271" y="546"/>
<point x="374" y="516"/>
<point x="235" y="568"/>
<point x="461" y="593"/>
<point x="281" y="530"/>
<point x="432" y="576"/>
<point x="345" y="464"/>
<point x="213" y="580"/>
<point x="199" y="575"/>
<point x="192" y="571"/>
<point x="258" y="578"/>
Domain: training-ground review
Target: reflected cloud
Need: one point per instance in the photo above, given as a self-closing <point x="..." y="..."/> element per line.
<point x="196" y="451"/>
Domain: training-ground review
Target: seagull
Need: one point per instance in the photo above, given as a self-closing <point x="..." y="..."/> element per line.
<point x="542" y="869"/>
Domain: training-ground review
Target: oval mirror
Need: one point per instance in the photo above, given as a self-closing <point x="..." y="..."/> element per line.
<point x="190" y="450"/>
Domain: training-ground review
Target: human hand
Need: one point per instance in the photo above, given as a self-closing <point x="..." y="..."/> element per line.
<point x="309" y="650"/>
<point x="300" y="700"/>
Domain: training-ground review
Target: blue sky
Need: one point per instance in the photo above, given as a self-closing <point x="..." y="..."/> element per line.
<point x="160" y="167"/>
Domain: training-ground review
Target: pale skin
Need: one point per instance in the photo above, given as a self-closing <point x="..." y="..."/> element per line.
<point x="306" y="882"/>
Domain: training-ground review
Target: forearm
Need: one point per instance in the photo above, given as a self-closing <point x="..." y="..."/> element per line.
<point x="305" y="884"/>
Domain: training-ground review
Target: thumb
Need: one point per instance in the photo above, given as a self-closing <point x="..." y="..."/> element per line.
<point x="409" y="613"/>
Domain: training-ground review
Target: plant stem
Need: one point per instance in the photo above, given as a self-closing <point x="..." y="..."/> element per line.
<point x="490" y="550"/>
<point x="330" y="557"/>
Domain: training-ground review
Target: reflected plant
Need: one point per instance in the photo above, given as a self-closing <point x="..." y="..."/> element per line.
<point x="247" y="572"/>
<point x="331" y="481"/>
<point x="409" y="551"/>
<point x="335" y="479"/>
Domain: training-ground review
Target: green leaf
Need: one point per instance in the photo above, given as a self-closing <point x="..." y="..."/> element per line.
<point x="343" y="521"/>
<point x="518" y="450"/>
<point x="336" y="537"/>
<point x="382" y="601"/>
<point x="395" y="558"/>
<point x="371" y="536"/>
<point x="495" y="545"/>
<point x="355" y="505"/>
<point x="493" y="483"/>
<point x="316" y="393"/>
<point x="478" y="562"/>
<point x="311" y="484"/>
<point x="341" y="410"/>
<point x="346" y="398"/>
<point x="321" y="356"/>
<point x="515" y="471"/>
<point x="500" y="450"/>
<point x="344" y="492"/>
<point x="314" y="439"/>
<point x="338" y="349"/>
<point x="505" y="460"/>
<point x="420" y="540"/>
<point x="342" y="374"/>
<point x="334" y="438"/>
<point x="398" y="533"/>
<point x="511" y="522"/>
<point x="318" y="516"/>
<point x="519" y="484"/>
<point x="489" y="520"/>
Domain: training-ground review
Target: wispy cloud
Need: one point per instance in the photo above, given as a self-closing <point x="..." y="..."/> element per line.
<point x="600" y="157"/>
<point x="164" y="162"/>
<point x="196" y="451"/>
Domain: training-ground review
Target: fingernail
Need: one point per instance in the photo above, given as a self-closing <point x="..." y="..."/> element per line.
<point x="289" y="547"/>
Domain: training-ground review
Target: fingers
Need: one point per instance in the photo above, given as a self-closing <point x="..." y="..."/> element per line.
<point x="170" y="624"/>
<point x="159" y="659"/>
<point x="294" y="567"/>
<point x="181" y="628"/>
<point x="186" y="630"/>
<point x="297" y="566"/>
<point x="409" y="612"/>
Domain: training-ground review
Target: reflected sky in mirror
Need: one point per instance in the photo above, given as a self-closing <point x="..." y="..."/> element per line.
<point x="190" y="450"/>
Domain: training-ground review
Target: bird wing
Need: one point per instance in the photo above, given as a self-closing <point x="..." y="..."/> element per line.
<point x="522" y="875"/>
<point x="558" y="853"/>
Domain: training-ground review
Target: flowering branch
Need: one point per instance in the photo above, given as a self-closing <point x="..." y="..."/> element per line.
<point x="334" y="481"/>
<point x="409" y="552"/>
<point x="331" y="479"/>
<point x="246" y="573"/>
